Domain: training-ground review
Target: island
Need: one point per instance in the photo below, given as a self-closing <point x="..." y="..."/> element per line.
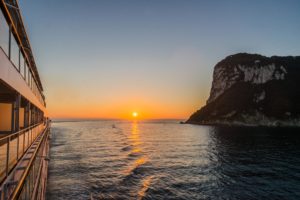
<point x="253" y="90"/>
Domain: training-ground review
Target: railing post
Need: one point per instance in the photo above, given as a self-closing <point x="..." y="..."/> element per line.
<point x="18" y="146"/>
<point x="28" y="137"/>
<point x="17" y="124"/>
<point x="24" y="141"/>
<point x="7" y="156"/>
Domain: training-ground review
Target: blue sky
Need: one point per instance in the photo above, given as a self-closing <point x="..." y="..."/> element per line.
<point x="111" y="57"/>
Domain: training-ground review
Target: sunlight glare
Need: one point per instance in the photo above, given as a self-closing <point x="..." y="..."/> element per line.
<point x="135" y="114"/>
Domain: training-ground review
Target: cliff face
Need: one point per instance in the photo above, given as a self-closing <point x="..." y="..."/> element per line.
<point x="250" y="89"/>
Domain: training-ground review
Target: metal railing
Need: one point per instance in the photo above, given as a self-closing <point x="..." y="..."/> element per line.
<point x="32" y="184"/>
<point x="13" y="147"/>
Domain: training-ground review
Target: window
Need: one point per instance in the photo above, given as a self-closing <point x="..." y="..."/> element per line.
<point x="28" y="77"/>
<point x="25" y="73"/>
<point x="14" y="54"/>
<point x="22" y="62"/>
<point x="31" y="80"/>
<point x="4" y="34"/>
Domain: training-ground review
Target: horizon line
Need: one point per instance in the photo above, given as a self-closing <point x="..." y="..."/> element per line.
<point x="97" y="118"/>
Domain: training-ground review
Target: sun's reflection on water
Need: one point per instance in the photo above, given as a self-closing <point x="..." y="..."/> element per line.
<point x="145" y="187"/>
<point x="136" y="175"/>
<point x="136" y="151"/>
<point x="134" y="136"/>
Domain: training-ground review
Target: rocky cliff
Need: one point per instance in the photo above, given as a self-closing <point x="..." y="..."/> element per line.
<point x="251" y="89"/>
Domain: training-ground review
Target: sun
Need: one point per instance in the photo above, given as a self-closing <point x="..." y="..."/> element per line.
<point x="135" y="114"/>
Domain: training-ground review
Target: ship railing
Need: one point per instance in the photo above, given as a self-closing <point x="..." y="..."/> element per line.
<point x="14" y="146"/>
<point x="32" y="184"/>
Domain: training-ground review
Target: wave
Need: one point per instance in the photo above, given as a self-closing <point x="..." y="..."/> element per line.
<point x="127" y="148"/>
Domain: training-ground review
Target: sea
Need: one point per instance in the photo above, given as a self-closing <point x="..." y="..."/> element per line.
<point x="163" y="159"/>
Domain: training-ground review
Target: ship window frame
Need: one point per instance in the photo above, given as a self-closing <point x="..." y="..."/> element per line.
<point x="4" y="34"/>
<point x="22" y="61"/>
<point x="15" y="54"/>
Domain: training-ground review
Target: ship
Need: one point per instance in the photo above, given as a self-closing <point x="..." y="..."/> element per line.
<point x="24" y="122"/>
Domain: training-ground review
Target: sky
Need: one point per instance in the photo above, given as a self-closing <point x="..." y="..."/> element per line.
<point x="109" y="58"/>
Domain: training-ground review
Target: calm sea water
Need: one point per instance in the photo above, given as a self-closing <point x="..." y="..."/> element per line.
<point x="167" y="160"/>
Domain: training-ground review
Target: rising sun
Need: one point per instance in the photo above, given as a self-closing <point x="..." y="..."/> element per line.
<point x="135" y="114"/>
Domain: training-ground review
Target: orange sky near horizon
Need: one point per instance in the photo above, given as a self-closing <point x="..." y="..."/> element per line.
<point x="122" y="110"/>
<point x="160" y="101"/>
<point x="118" y="95"/>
